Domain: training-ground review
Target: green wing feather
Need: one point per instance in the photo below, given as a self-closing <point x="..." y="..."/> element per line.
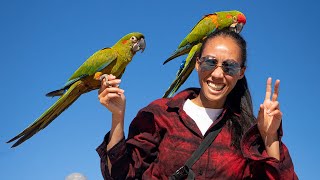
<point x="96" y="62"/>
<point x="203" y="28"/>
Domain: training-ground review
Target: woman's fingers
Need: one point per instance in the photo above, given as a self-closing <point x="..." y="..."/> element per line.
<point x="111" y="90"/>
<point x="273" y="107"/>
<point x="268" y="89"/>
<point x="275" y="94"/>
<point x="108" y="81"/>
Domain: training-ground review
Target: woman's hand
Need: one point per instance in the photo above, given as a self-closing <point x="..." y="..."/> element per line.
<point x="111" y="96"/>
<point x="270" y="116"/>
<point x="269" y="120"/>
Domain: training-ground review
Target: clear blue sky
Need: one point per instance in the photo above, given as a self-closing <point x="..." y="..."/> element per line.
<point x="43" y="42"/>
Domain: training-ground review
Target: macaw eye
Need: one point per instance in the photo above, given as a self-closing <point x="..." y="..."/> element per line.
<point x="234" y="18"/>
<point x="133" y="39"/>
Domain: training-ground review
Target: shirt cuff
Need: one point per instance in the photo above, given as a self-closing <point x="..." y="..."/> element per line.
<point x="115" y="153"/>
<point x="253" y="146"/>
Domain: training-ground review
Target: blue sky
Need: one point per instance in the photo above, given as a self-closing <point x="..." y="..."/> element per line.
<point x="43" y="42"/>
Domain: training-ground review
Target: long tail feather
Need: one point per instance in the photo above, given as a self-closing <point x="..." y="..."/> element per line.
<point x="50" y="114"/>
<point x="58" y="92"/>
<point x="180" y="79"/>
<point x="179" y="52"/>
<point x="184" y="71"/>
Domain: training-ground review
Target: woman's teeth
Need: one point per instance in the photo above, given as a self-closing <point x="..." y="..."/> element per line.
<point x="216" y="87"/>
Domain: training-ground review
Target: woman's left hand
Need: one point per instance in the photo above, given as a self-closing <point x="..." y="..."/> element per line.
<point x="270" y="116"/>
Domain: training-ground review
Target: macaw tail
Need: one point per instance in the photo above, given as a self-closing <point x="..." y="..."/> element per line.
<point x="50" y="114"/>
<point x="179" y="52"/>
<point x="180" y="79"/>
<point x="184" y="71"/>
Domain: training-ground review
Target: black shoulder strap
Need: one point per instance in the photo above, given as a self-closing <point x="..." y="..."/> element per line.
<point x="185" y="170"/>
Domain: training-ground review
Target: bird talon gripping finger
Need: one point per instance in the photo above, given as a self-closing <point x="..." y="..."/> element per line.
<point x="105" y="76"/>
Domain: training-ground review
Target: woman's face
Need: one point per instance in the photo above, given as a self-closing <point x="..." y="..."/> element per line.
<point x="215" y="83"/>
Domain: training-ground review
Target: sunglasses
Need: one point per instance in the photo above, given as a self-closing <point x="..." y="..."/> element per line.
<point x="209" y="63"/>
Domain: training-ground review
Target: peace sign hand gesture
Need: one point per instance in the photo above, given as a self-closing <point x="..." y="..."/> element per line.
<point x="270" y="116"/>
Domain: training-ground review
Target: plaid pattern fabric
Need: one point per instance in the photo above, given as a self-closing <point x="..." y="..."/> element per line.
<point x="162" y="137"/>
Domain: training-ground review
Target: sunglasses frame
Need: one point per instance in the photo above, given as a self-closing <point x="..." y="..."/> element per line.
<point x="232" y="70"/>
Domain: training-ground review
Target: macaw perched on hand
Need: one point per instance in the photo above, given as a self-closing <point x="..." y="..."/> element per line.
<point x="86" y="78"/>
<point x="233" y="20"/>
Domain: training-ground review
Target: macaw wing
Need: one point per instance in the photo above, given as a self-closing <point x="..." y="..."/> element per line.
<point x="98" y="61"/>
<point x="95" y="63"/>
<point x="204" y="27"/>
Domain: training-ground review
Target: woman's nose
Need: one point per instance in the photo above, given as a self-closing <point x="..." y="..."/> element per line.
<point x="217" y="72"/>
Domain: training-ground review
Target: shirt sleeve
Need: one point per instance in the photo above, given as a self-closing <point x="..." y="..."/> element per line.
<point x="116" y="153"/>
<point x="262" y="166"/>
<point x="131" y="157"/>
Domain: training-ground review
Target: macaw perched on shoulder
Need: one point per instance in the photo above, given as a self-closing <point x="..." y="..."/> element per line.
<point x="233" y="20"/>
<point x="86" y="78"/>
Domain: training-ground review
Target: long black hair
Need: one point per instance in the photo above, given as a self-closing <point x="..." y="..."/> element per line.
<point x="239" y="99"/>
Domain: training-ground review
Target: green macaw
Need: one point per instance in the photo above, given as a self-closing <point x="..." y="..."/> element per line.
<point x="86" y="78"/>
<point x="234" y="20"/>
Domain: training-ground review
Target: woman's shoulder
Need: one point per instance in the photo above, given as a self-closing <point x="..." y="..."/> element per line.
<point x="162" y="104"/>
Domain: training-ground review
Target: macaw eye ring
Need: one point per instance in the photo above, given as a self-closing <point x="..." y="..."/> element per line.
<point x="133" y="39"/>
<point x="234" y="18"/>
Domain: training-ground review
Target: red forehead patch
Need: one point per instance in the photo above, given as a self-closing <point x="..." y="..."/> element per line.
<point x="241" y="18"/>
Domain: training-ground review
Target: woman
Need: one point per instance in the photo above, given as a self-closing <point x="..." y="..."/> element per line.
<point x="163" y="135"/>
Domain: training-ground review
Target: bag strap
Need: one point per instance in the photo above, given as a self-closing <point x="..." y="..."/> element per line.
<point x="186" y="169"/>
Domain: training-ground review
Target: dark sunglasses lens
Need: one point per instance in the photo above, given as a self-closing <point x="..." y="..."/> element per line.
<point x="208" y="64"/>
<point x="230" y="67"/>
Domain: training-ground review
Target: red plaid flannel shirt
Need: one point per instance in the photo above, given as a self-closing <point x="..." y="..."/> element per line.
<point x="162" y="137"/>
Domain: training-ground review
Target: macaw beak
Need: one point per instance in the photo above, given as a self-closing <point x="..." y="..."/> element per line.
<point x="236" y="27"/>
<point x="140" y="45"/>
<point x="239" y="27"/>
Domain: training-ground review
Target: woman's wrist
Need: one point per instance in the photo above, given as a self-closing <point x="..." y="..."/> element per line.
<point x="272" y="144"/>
<point x="268" y="139"/>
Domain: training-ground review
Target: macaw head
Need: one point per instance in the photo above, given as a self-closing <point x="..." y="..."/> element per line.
<point x="234" y="20"/>
<point x="135" y="41"/>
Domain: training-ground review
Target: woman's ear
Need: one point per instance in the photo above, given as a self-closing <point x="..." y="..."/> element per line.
<point x="197" y="64"/>
<point x="242" y="71"/>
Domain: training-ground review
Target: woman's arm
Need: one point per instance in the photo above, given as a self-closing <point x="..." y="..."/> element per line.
<point x="269" y="120"/>
<point x="112" y="97"/>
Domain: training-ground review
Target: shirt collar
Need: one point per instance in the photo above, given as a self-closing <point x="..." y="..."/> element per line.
<point x="178" y="100"/>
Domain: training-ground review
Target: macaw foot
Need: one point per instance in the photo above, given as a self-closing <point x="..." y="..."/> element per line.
<point x="99" y="76"/>
<point x="103" y="76"/>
